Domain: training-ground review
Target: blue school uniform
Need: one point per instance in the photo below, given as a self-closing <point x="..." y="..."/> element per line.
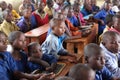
<point x="45" y="57"/>
<point x="102" y="15"/>
<point x="85" y="12"/>
<point x="7" y="66"/>
<point x="22" y="64"/>
<point x="103" y="74"/>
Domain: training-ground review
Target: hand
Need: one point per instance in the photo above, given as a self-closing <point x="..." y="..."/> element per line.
<point x="72" y="60"/>
<point x="50" y="69"/>
<point x="47" y="76"/>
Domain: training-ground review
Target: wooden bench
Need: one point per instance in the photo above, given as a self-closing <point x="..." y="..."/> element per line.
<point x="81" y="42"/>
<point x="38" y="34"/>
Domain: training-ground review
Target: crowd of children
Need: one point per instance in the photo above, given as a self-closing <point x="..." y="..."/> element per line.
<point x="65" y="20"/>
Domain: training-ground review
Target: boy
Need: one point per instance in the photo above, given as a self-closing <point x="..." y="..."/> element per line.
<point x="94" y="57"/>
<point x="81" y="72"/>
<point x="8" y="26"/>
<point x="46" y="62"/>
<point x="53" y="44"/>
<point x="110" y="45"/>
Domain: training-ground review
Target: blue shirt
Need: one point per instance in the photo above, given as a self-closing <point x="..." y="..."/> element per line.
<point x="103" y="74"/>
<point x="7" y="66"/>
<point x="45" y="57"/>
<point x="85" y="12"/>
<point x="102" y="15"/>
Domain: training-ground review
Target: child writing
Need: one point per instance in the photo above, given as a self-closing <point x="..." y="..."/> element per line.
<point x="81" y="72"/>
<point x="47" y="62"/>
<point x="110" y="45"/>
<point x="95" y="58"/>
<point x="53" y="45"/>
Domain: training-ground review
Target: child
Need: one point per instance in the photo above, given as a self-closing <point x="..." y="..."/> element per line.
<point x="95" y="8"/>
<point x="47" y="62"/>
<point x="8" y="26"/>
<point x="53" y="45"/>
<point x="8" y="68"/>
<point x="95" y="58"/>
<point x="14" y="13"/>
<point x="3" y="6"/>
<point x="116" y="24"/>
<point x="110" y="45"/>
<point x="100" y="17"/>
<point x="40" y="16"/>
<point x="25" y="23"/>
<point x="81" y="72"/>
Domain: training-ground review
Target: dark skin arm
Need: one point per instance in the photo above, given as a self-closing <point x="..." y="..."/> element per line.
<point x="52" y="67"/>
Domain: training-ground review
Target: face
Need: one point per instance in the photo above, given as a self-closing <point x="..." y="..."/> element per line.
<point x="36" y="51"/>
<point x="112" y="44"/>
<point x="9" y="17"/>
<point x="93" y="2"/>
<point x="3" y="5"/>
<point x="27" y="13"/>
<point x="20" y="42"/>
<point x="117" y="24"/>
<point x="108" y="6"/>
<point x="3" y="43"/>
<point x="10" y="6"/>
<point x="70" y="11"/>
<point x="60" y="29"/>
<point x="41" y="5"/>
<point x="97" y="62"/>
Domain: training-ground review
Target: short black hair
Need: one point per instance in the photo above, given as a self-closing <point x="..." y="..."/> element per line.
<point x="109" y="18"/>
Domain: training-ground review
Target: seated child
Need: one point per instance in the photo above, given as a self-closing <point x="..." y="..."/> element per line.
<point x="95" y="58"/>
<point x="8" y="68"/>
<point x="81" y="72"/>
<point x="46" y="62"/>
<point x="110" y="45"/>
<point x="95" y="8"/>
<point x="3" y="7"/>
<point x="53" y="45"/>
<point x="63" y="78"/>
<point x="40" y="16"/>
<point x="116" y="24"/>
<point x="8" y="26"/>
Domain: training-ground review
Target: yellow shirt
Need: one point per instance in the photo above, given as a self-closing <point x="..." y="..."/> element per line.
<point x="48" y="10"/>
<point x="7" y="27"/>
<point x="15" y="14"/>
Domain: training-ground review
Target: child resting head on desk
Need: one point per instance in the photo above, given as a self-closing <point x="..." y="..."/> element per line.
<point x="53" y="44"/>
<point x="38" y="60"/>
<point x="81" y="72"/>
<point x="95" y="58"/>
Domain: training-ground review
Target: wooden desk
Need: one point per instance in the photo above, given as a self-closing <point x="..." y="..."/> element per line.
<point x="81" y="42"/>
<point x="38" y="34"/>
<point x="66" y="69"/>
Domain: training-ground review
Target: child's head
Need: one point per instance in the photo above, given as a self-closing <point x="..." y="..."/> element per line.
<point x="93" y="2"/>
<point x="94" y="56"/>
<point x="3" y="5"/>
<point x="59" y="2"/>
<point x="109" y="20"/>
<point x="7" y="15"/>
<point x="41" y="6"/>
<point x="10" y="7"/>
<point x="110" y="40"/>
<point x="63" y="78"/>
<point x="27" y="13"/>
<point x="107" y="5"/>
<point x="76" y="9"/>
<point x="70" y="11"/>
<point x="3" y="42"/>
<point x="34" y="50"/>
<point x="17" y="40"/>
<point x="58" y="26"/>
<point x="116" y="23"/>
<point x="81" y="72"/>
<point x="49" y="3"/>
<point x="88" y="7"/>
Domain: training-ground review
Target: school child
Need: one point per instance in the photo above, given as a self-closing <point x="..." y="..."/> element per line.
<point x="8" y="68"/>
<point x="14" y="13"/>
<point x="49" y="8"/>
<point x="81" y="72"/>
<point x="95" y="58"/>
<point x="100" y="17"/>
<point x="3" y="7"/>
<point x="8" y="26"/>
<point x="25" y="22"/>
<point x="110" y="45"/>
<point x="40" y="16"/>
<point x="53" y="45"/>
<point x="58" y="5"/>
<point x="95" y="8"/>
<point x="46" y="62"/>
<point x="116" y="24"/>
<point x="63" y="78"/>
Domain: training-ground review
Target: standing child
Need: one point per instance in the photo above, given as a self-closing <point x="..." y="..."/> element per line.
<point x="46" y="62"/>
<point x="95" y="58"/>
<point x="81" y="72"/>
<point x="53" y="45"/>
<point x="110" y="44"/>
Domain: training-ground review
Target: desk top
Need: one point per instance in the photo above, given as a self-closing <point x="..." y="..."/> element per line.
<point x="37" y="31"/>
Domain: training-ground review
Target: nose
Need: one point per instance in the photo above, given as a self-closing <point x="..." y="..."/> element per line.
<point x="103" y="61"/>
